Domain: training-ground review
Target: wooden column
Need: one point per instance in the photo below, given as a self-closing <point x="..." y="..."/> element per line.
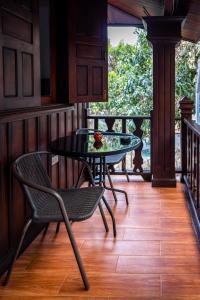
<point x="164" y="33"/>
<point x="186" y="107"/>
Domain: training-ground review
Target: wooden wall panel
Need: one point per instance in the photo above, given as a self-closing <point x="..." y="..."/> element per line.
<point x="32" y="135"/>
<point x="61" y="133"/>
<point x="43" y="136"/>
<point x="97" y="80"/>
<point x="16" y="27"/>
<point x="27" y="75"/>
<point x="26" y="132"/>
<point x="4" y="232"/>
<point x="17" y="148"/>
<point x="82" y="80"/>
<point x="87" y="61"/>
<point x="20" y="55"/>
<point x="10" y="72"/>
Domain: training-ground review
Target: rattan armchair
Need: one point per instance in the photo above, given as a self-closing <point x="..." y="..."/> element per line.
<point x="50" y="205"/>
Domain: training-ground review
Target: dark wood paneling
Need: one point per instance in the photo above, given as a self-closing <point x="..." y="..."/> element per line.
<point x="26" y="4"/>
<point x="27" y="75"/>
<point x="16" y="27"/>
<point x="82" y="80"/>
<point x="97" y="80"/>
<point x="25" y="132"/>
<point x="88" y="51"/>
<point x="32" y="135"/>
<point x="21" y="8"/>
<point x="61" y="133"/>
<point x="20" y="62"/>
<point x="17" y="206"/>
<point x="9" y="72"/>
<point x="43" y="132"/>
<point x="87" y="60"/>
<point x="164" y="34"/>
<point x="4" y="232"/>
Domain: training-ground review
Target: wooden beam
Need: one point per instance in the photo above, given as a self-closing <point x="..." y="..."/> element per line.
<point x="136" y="7"/>
<point x="169" y="7"/>
<point x="163" y="33"/>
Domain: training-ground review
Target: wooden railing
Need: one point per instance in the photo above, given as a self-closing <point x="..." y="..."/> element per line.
<point x="187" y="154"/>
<point x="192" y="173"/>
<point x="137" y="162"/>
<point x="190" y="140"/>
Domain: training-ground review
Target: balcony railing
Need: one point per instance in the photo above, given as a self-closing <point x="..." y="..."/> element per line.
<point x="137" y="162"/>
<point x="191" y="175"/>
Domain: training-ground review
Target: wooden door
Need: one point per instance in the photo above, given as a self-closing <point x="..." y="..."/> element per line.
<point x="87" y="41"/>
<point x="19" y="54"/>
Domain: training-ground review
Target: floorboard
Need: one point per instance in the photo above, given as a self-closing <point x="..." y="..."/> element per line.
<point x="154" y="257"/>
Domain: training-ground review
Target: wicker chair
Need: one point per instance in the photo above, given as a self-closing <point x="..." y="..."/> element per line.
<point x="111" y="161"/>
<point x="50" y="205"/>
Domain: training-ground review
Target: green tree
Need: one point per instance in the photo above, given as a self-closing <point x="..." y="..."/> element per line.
<point x="130" y="77"/>
<point x="187" y="55"/>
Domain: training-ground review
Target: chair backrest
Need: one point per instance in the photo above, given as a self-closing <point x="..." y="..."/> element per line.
<point x="86" y="131"/>
<point x="31" y="167"/>
<point x="83" y="131"/>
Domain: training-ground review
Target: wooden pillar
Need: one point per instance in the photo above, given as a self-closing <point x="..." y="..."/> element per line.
<point x="186" y="107"/>
<point x="163" y="33"/>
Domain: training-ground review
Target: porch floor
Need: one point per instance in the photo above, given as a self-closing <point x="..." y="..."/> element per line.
<point x="155" y="255"/>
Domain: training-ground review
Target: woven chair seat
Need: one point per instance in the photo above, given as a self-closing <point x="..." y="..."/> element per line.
<point x="50" y="205"/>
<point x="80" y="204"/>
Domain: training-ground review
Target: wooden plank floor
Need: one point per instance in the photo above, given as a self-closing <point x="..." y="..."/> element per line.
<point x="155" y="255"/>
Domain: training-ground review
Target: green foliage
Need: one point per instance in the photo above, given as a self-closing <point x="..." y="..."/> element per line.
<point x="187" y="55"/>
<point x="130" y="77"/>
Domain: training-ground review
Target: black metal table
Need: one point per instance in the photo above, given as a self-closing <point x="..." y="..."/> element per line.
<point x="82" y="146"/>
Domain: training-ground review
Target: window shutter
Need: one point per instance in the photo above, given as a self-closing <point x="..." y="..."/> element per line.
<point x="87" y="40"/>
<point x="19" y="59"/>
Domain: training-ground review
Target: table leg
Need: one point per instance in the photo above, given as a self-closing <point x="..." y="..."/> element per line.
<point x="103" y="166"/>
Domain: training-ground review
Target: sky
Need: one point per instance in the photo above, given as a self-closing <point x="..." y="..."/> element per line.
<point x="116" y="34"/>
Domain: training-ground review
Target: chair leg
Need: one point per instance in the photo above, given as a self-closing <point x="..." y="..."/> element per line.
<point x="111" y="183"/>
<point x="46" y="229"/>
<point x="112" y="216"/>
<point x="79" y="178"/>
<point x="9" y="272"/>
<point x="76" y="251"/>
<point x="126" y="173"/>
<point x="57" y="227"/>
<point x="103" y="217"/>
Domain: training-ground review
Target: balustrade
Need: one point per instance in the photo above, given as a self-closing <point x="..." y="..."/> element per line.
<point x="137" y="162"/>
<point x="190" y="140"/>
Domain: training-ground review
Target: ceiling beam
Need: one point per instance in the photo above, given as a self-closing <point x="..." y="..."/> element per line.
<point x="169" y="7"/>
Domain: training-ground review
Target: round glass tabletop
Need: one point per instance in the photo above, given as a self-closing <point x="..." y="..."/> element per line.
<point x="84" y="145"/>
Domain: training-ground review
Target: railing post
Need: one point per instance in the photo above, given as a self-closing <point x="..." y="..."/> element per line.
<point x="186" y="107"/>
<point x="85" y="119"/>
